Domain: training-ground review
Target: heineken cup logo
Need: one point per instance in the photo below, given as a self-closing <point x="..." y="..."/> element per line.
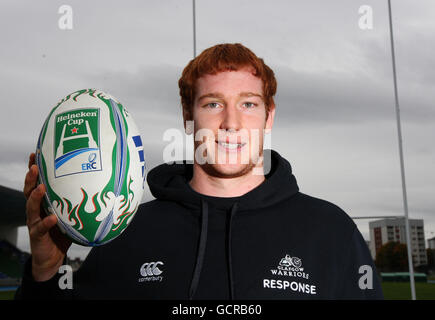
<point x="77" y="142"/>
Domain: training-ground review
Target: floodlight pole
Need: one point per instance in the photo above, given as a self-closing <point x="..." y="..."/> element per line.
<point x="402" y="167"/>
<point x="194" y="28"/>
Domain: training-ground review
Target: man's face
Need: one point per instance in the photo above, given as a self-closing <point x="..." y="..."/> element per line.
<point x="230" y="114"/>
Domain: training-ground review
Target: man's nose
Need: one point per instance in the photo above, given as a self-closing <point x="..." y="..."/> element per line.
<point x="231" y="119"/>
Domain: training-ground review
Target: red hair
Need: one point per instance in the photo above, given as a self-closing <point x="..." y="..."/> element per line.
<point x="219" y="58"/>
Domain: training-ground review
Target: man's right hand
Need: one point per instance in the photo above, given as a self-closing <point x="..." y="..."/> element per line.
<point x="47" y="244"/>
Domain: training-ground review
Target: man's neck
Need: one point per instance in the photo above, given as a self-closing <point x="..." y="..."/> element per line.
<point x="224" y="187"/>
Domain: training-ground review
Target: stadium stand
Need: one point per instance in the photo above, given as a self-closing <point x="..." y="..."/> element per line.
<point x="13" y="212"/>
<point x="11" y="217"/>
<point x="11" y="264"/>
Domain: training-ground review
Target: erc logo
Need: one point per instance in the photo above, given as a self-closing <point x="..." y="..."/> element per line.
<point x="77" y="143"/>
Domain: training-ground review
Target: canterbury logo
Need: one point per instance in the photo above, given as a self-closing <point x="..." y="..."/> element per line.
<point x="151" y="269"/>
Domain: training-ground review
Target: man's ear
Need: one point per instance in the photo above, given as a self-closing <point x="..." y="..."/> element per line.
<point x="270" y="118"/>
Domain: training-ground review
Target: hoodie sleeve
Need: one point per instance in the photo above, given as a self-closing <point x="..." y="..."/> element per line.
<point x="50" y="289"/>
<point x="359" y="277"/>
<point x="31" y="289"/>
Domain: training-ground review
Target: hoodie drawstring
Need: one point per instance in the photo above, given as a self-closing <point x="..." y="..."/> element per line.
<point x="201" y="249"/>
<point x="202" y="246"/>
<point x="230" y="264"/>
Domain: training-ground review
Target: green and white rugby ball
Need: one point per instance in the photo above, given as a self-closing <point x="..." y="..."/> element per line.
<point x="91" y="159"/>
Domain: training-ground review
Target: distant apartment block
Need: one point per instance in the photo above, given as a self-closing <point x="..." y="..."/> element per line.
<point x="431" y="243"/>
<point x="386" y="230"/>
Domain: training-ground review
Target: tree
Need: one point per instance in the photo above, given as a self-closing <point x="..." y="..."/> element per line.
<point x="392" y="257"/>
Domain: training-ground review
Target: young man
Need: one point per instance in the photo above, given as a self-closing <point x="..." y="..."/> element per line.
<point x="222" y="228"/>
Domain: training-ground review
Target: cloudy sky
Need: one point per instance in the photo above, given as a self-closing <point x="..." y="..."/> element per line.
<point x="335" y="118"/>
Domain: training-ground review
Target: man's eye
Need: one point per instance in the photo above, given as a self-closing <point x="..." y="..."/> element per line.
<point x="249" y="104"/>
<point x="212" y="105"/>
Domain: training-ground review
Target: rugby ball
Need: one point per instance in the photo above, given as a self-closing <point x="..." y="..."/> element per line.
<point x="91" y="159"/>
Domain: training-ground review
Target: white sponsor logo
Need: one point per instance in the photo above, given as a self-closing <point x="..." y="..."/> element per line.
<point x="151" y="272"/>
<point x="286" y="285"/>
<point x="290" y="267"/>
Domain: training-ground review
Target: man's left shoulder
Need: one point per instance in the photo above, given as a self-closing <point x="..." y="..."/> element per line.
<point x="323" y="212"/>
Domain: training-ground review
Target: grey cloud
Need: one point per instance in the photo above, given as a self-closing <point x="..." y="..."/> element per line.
<point x="342" y="98"/>
<point x="154" y="88"/>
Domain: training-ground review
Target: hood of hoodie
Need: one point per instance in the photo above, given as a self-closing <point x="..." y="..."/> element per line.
<point x="171" y="182"/>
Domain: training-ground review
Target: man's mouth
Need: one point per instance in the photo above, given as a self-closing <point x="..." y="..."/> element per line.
<point x="231" y="146"/>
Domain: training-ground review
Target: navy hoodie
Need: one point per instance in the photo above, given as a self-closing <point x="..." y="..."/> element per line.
<point x="273" y="242"/>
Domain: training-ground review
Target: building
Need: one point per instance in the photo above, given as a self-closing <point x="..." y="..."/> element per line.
<point x="386" y="230"/>
<point x="431" y="243"/>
